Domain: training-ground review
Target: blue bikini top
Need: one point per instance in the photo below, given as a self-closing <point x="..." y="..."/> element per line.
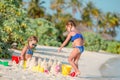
<point x="76" y="36"/>
<point x="29" y="51"/>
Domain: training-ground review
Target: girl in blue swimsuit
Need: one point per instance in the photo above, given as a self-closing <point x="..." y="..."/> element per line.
<point x="27" y="50"/>
<point x="76" y="37"/>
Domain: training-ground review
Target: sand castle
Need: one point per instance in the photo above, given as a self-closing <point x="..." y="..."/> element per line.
<point x="35" y="64"/>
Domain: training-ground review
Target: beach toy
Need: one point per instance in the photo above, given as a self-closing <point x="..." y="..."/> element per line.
<point x="57" y="68"/>
<point x="35" y="68"/>
<point x="16" y="59"/>
<point x="41" y="69"/>
<point x="46" y="71"/>
<point x="24" y="65"/>
<point x="1" y="62"/>
<point x="66" y="69"/>
<point x="72" y="74"/>
<point x="5" y="63"/>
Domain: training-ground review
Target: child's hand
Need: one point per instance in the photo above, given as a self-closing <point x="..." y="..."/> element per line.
<point x="21" y="57"/>
<point x="59" y="50"/>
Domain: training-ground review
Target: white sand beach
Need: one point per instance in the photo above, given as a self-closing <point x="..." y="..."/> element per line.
<point x="89" y="65"/>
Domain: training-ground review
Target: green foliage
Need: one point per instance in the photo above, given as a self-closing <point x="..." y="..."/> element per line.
<point x="10" y="14"/>
<point x="12" y="18"/>
<point x="16" y="27"/>
<point x="92" y="41"/>
<point x="103" y="44"/>
<point x="4" y="52"/>
<point x="113" y="47"/>
<point x="45" y="30"/>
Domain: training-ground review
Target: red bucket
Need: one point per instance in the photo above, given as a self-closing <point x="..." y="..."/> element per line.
<point x="16" y="59"/>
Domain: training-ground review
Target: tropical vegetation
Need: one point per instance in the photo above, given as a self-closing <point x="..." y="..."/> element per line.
<point x="18" y="22"/>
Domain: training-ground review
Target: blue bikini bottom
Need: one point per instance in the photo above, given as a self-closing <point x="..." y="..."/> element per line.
<point x="81" y="48"/>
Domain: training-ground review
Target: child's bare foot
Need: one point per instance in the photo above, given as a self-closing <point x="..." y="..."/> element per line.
<point x="77" y="73"/>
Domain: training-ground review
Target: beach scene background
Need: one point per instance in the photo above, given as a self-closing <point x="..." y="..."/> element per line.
<point x="98" y="21"/>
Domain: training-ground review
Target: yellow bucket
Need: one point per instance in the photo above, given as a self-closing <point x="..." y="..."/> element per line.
<point x="66" y="69"/>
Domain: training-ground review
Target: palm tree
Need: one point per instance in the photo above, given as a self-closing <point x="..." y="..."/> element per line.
<point x="76" y="6"/>
<point x="48" y="17"/>
<point x="86" y="19"/>
<point x="58" y="6"/>
<point x="90" y="14"/>
<point x="108" y="23"/>
<point x="92" y="10"/>
<point x="113" y="21"/>
<point x="35" y="9"/>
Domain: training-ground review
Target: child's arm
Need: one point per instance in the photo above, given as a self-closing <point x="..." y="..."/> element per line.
<point x="65" y="42"/>
<point x="23" y="52"/>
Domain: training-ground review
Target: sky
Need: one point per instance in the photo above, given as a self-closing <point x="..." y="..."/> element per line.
<point x="103" y="5"/>
<point x="108" y="6"/>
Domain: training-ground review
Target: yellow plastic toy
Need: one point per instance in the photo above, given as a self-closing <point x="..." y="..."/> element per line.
<point x="41" y="69"/>
<point x="24" y="65"/>
<point x="35" y="68"/>
<point x="66" y="69"/>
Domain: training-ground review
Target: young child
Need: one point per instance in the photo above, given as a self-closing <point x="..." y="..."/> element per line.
<point x="77" y="39"/>
<point x="27" y="50"/>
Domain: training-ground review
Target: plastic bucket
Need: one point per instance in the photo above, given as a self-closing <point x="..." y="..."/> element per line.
<point x="5" y="63"/>
<point x="16" y="59"/>
<point x="1" y="62"/>
<point x="66" y="69"/>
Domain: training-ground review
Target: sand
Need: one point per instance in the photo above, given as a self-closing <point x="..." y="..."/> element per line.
<point x="89" y="65"/>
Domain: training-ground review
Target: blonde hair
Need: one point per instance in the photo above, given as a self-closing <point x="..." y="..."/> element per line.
<point x="31" y="38"/>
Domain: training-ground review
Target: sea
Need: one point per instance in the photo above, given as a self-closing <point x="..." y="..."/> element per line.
<point x="110" y="70"/>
